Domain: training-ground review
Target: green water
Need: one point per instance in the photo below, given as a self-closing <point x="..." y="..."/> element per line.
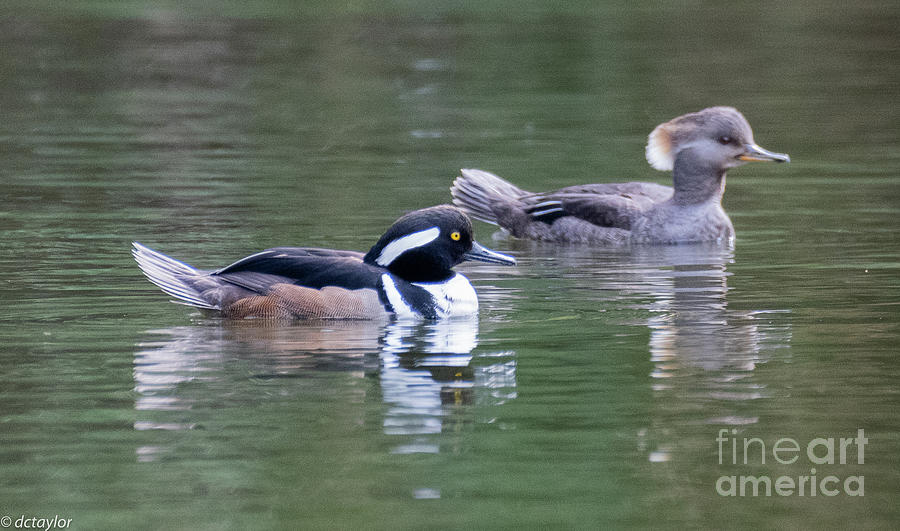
<point x="591" y="389"/>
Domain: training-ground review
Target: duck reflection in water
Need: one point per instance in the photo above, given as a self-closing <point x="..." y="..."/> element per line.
<point x="429" y="380"/>
<point x="693" y="326"/>
<point x="704" y="353"/>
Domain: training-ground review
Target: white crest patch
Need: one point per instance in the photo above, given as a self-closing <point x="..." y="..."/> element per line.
<point x="399" y="246"/>
<point x="659" y="149"/>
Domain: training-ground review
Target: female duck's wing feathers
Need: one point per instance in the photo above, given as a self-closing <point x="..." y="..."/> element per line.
<point x="607" y="205"/>
<point x="653" y="191"/>
<point x="490" y="198"/>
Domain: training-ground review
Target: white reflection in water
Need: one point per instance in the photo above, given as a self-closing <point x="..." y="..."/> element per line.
<point x="427" y="372"/>
<point x="424" y="383"/>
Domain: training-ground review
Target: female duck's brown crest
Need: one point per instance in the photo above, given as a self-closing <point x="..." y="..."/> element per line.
<point x="659" y="148"/>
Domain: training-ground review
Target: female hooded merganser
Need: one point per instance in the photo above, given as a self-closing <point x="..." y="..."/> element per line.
<point x="407" y="273"/>
<point x="698" y="148"/>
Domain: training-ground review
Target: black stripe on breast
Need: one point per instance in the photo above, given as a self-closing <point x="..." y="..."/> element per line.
<point x="419" y="299"/>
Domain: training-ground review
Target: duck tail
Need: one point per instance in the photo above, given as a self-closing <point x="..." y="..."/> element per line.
<point x="171" y="276"/>
<point x="474" y="191"/>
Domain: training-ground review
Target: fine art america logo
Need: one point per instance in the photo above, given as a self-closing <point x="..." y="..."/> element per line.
<point x="787" y="451"/>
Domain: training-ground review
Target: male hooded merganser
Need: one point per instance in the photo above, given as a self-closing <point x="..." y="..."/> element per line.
<point x="407" y="273"/>
<point x="698" y="148"/>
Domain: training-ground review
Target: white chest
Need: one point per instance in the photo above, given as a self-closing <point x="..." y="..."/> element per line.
<point x="452" y="298"/>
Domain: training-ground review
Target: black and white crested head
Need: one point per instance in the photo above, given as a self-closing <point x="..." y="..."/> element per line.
<point x="424" y="245"/>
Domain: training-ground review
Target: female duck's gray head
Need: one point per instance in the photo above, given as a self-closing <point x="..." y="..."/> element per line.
<point x="700" y="147"/>
<point x="720" y="136"/>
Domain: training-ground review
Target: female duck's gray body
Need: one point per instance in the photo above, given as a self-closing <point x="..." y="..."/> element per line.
<point x="699" y="148"/>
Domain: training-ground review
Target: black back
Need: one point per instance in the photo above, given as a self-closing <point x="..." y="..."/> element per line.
<point x="303" y="266"/>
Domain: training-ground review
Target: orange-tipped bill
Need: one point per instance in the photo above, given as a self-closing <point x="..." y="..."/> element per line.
<point x="756" y="153"/>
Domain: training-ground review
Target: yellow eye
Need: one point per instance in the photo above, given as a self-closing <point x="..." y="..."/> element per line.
<point x="455" y="236"/>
